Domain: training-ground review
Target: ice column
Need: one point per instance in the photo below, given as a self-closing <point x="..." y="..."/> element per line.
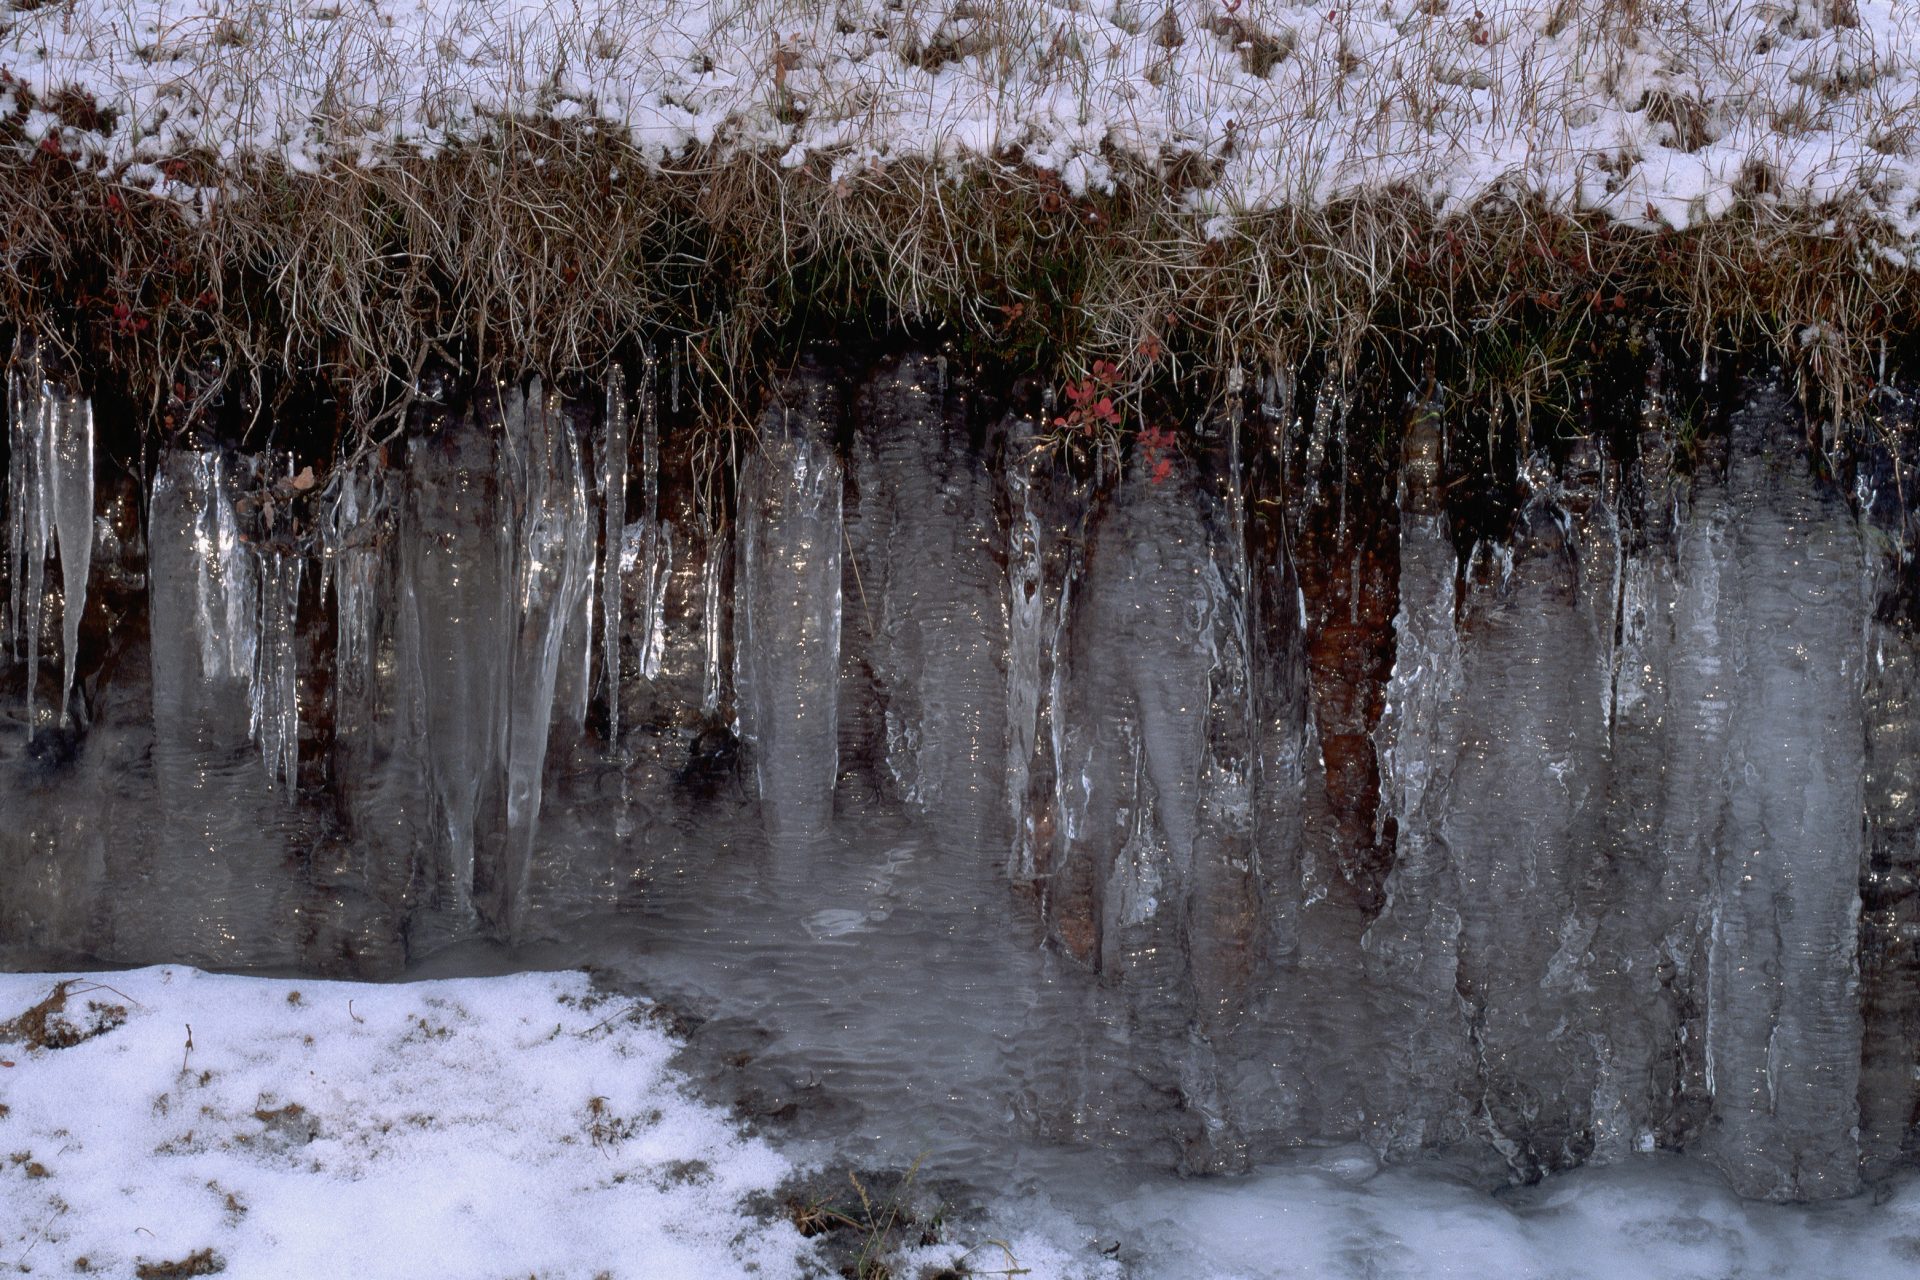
<point x="1026" y="634"/>
<point x="351" y="556"/>
<point x="70" y="487"/>
<point x="654" y="543"/>
<point x="225" y="593"/>
<point x="27" y="526"/>
<point x="787" y="613"/>
<point x="1413" y="944"/>
<point x="1783" y="1029"/>
<point x="925" y="537"/>
<point x="613" y="498"/>
<point x="50" y="502"/>
<point x="712" y="633"/>
<point x="552" y="571"/>
<point x="452" y="556"/>
<point x="274" y="705"/>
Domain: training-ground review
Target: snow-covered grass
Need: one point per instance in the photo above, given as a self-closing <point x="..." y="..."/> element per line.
<point x="1656" y="112"/>
<point x="347" y="186"/>
<point x="488" y="1128"/>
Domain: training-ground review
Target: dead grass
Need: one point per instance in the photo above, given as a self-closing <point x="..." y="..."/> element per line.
<point x="549" y="247"/>
<point x="201" y="1262"/>
<point x="48" y="1024"/>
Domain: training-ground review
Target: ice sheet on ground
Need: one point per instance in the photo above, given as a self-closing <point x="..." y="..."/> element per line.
<point x="1657" y="1218"/>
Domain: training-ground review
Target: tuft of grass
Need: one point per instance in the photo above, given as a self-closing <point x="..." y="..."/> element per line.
<point x="865" y="1232"/>
<point x="46" y="1024"/>
<point x="201" y="1262"/>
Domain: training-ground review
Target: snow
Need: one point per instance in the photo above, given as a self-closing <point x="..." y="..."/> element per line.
<point x="1663" y="114"/>
<point x="489" y="1127"/>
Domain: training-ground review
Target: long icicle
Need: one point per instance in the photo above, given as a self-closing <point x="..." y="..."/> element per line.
<point x="653" y="634"/>
<point x="70" y="485"/>
<point x="613" y="497"/>
<point x="19" y="466"/>
<point x="39" y="427"/>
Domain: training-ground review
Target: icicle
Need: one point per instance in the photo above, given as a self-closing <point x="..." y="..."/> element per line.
<point x="575" y="682"/>
<point x="50" y="500"/>
<point x="1026" y="621"/>
<point x="351" y="539"/>
<point x="552" y="563"/>
<point x="227" y="609"/>
<point x="454" y="561"/>
<point x="712" y="671"/>
<point x="21" y="403"/>
<point x="26" y="521"/>
<point x="70" y="486"/>
<point x="653" y="644"/>
<point x="787" y="615"/>
<point x="37" y="530"/>
<point x="348" y="560"/>
<point x="613" y="498"/>
<point x="273" y="703"/>
<point x="653" y="630"/>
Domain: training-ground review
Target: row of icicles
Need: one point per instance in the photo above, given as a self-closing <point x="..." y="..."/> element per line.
<point x="49" y="504"/>
<point x="246" y="592"/>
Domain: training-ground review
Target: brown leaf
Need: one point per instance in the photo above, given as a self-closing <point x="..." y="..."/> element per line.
<point x="303" y="481"/>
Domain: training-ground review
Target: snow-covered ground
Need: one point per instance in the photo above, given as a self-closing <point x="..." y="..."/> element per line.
<point x="466" y="1129"/>
<point x="498" y="1127"/>
<point x="1655" y="112"/>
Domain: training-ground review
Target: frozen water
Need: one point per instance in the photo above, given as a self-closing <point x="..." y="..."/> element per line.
<point x="274" y="707"/>
<point x="49" y="504"/>
<point x="1027" y="840"/>
<point x="456" y="576"/>
<point x="550" y="568"/>
<point x="933" y="596"/>
<point x="1783" y="1031"/>
<point x="69" y="495"/>
<point x="613" y="502"/>
<point x="787" y="610"/>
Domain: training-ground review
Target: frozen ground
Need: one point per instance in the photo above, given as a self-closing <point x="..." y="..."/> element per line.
<point x="1655" y="112"/>
<point x="515" y="1126"/>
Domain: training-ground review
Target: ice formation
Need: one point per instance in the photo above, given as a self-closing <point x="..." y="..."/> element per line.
<point x="49" y="505"/>
<point x="1627" y="876"/>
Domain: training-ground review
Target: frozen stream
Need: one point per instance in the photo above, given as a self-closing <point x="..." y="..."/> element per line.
<point x="1319" y="811"/>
